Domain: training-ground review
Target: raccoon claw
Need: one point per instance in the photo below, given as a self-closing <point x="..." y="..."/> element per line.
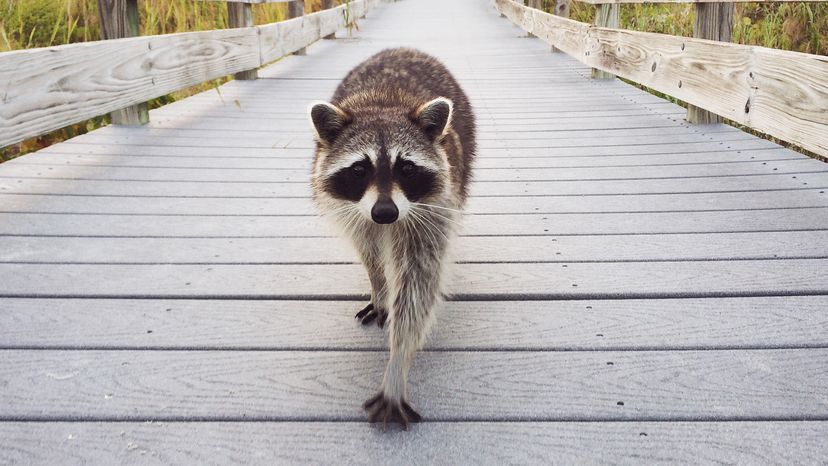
<point x="382" y="409"/>
<point x="369" y="313"/>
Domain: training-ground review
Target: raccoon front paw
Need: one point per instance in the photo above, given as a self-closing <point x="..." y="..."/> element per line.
<point x="370" y="313"/>
<point x="382" y="409"/>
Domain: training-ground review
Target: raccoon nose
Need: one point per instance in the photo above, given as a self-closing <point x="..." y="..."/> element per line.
<point x="384" y="211"/>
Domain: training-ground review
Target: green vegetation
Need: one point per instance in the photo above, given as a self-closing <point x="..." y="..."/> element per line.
<point x="802" y="27"/>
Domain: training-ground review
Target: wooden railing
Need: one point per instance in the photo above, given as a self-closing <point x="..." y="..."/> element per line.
<point x="780" y="93"/>
<point x="49" y="88"/>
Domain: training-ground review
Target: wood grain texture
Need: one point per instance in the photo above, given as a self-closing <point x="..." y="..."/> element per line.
<point x="513" y="225"/>
<point x="714" y="21"/>
<point x="479" y="205"/>
<point x="54" y="87"/>
<point x="240" y="15"/>
<point x="291" y="36"/>
<point x="564" y="249"/>
<point x="348" y="443"/>
<point x="120" y="19"/>
<point x="590" y="325"/>
<point x="607" y="15"/>
<point x="777" y="92"/>
<point x="469" y="281"/>
<point x="257" y="175"/>
<point x="712" y="184"/>
<point x="520" y="386"/>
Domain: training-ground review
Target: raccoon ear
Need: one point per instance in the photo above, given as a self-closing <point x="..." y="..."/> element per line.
<point x="434" y="117"/>
<point x="328" y="121"/>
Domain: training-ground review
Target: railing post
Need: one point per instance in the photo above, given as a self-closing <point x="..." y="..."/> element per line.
<point x="606" y="15"/>
<point x="119" y="19"/>
<point x="534" y="4"/>
<point x="714" y="21"/>
<point x="327" y="5"/>
<point x="296" y="8"/>
<point x="240" y="15"/>
<point x="562" y="10"/>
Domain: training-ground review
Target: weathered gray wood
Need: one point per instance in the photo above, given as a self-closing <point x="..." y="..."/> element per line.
<point x="475" y="281"/>
<point x="51" y="88"/>
<point x="240" y="15"/>
<point x="292" y="36"/>
<point x="763" y="200"/>
<point x="120" y="19"/>
<point x="754" y="86"/>
<point x="562" y="10"/>
<point x="327" y="5"/>
<point x="63" y="171"/>
<point x="346" y="443"/>
<point x="276" y="385"/>
<point x="714" y="21"/>
<point x="526" y="224"/>
<point x="676" y="324"/>
<point x="737" y="183"/>
<point x="563" y="249"/>
<point x="296" y="9"/>
<point x="608" y="16"/>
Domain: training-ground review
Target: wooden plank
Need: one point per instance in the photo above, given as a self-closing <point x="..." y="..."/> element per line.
<point x="488" y="158"/>
<point x="604" y="280"/>
<point x="609" y="16"/>
<point x="205" y="442"/>
<point x="601" y="2"/>
<point x="257" y="175"/>
<point x="513" y="225"/>
<point x="625" y="325"/>
<point x="240" y="15"/>
<point x="458" y="386"/>
<point x="173" y="137"/>
<point x="778" y="182"/>
<point x="327" y="5"/>
<point x="777" y="92"/>
<point x="296" y="9"/>
<point x="762" y="200"/>
<point x="564" y="249"/>
<point x="53" y="87"/>
<point x="292" y="36"/>
<point x="120" y="19"/>
<point x="714" y="21"/>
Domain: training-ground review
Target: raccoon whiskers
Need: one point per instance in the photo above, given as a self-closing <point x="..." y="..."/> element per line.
<point x="436" y="207"/>
<point x="419" y="220"/>
<point x="431" y="227"/>
<point x="441" y="216"/>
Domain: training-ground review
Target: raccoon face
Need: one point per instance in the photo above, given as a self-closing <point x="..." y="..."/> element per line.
<point x="381" y="161"/>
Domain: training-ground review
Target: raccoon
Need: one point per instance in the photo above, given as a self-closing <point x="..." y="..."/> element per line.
<point x="394" y="151"/>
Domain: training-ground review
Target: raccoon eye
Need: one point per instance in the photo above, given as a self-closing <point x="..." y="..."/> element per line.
<point x="408" y="169"/>
<point x="358" y="170"/>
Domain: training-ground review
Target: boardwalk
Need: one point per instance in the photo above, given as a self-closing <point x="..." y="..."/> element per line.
<point x="630" y="287"/>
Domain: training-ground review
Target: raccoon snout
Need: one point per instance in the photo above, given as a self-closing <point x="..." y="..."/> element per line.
<point x="385" y="211"/>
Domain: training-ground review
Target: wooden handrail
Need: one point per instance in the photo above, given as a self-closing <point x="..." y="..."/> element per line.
<point x="49" y="88"/>
<point x="780" y="93"/>
<point x="605" y="2"/>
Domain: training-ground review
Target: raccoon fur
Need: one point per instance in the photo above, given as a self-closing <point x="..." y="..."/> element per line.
<point x="392" y="166"/>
